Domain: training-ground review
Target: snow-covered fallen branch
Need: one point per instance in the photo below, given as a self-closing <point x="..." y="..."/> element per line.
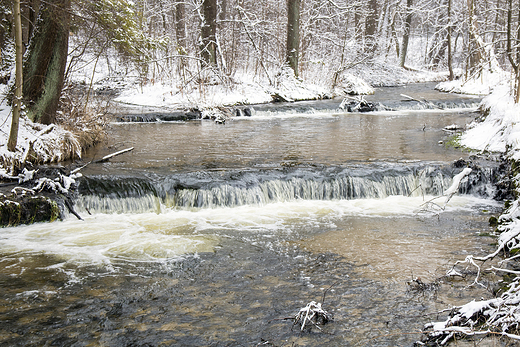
<point x="431" y="206"/>
<point x="497" y="316"/>
<point x="494" y="316"/>
<point x="312" y="315"/>
<point x="112" y="155"/>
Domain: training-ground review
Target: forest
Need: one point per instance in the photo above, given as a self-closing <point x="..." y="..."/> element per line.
<point x="189" y="44"/>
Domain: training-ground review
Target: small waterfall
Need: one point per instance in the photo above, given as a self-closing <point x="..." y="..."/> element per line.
<point x="203" y="191"/>
<point x="298" y="188"/>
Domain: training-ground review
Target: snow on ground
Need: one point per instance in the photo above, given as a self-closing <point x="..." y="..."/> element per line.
<point x="243" y="91"/>
<point x="169" y="96"/>
<point x="36" y="142"/>
<point x="500" y="130"/>
<point x="483" y="84"/>
<point x="240" y="90"/>
<point x="383" y="74"/>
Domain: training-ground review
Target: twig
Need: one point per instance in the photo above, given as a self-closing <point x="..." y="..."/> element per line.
<point x="503" y="270"/>
<point x="326" y="290"/>
<point x="419" y="186"/>
<point x="69" y="206"/>
<point x="76" y="170"/>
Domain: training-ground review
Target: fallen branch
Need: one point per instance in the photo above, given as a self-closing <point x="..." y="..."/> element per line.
<point x="312" y="314"/>
<point x="448" y="193"/>
<point x="110" y="156"/>
<point x="69" y="206"/>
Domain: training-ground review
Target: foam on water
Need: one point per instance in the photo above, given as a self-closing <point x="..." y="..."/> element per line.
<point x="399" y="110"/>
<point x="105" y="238"/>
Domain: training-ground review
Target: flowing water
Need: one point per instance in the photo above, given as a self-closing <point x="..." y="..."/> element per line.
<point x="211" y="235"/>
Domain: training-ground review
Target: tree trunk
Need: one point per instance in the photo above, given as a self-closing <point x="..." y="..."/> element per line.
<point x="180" y="35"/>
<point x="394" y="34"/>
<point x="293" y="34"/>
<point x="29" y="11"/>
<point x="514" y="59"/>
<point x="209" y="32"/>
<point x="406" y="32"/>
<point x="517" y="44"/>
<point x="474" y="53"/>
<point x="46" y="61"/>
<point x="450" y="53"/>
<point x="371" y="27"/>
<point x="13" y="135"/>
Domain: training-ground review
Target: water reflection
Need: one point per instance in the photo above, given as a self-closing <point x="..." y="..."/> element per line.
<point x="330" y="139"/>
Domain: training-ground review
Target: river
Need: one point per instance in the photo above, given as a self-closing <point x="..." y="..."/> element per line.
<point x="210" y="235"/>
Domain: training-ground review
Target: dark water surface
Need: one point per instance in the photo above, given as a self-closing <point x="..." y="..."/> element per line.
<point x="211" y="235"/>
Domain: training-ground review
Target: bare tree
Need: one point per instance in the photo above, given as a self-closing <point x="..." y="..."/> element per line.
<point x="371" y="27"/>
<point x="513" y="48"/>
<point x="180" y="35"/>
<point x="293" y="34"/>
<point x="474" y="49"/>
<point x="13" y="136"/>
<point x="406" y="32"/>
<point x="449" y="43"/>
<point x="209" y="32"/>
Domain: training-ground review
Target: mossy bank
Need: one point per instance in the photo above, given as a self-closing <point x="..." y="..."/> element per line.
<point x="15" y="210"/>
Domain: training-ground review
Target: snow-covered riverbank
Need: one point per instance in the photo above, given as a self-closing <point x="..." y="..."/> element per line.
<point x="497" y="131"/>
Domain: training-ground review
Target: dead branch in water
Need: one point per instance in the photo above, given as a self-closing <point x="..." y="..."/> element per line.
<point x="313" y="314"/>
<point x="110" y="156"/>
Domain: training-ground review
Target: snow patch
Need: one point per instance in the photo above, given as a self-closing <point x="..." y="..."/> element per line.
<point x="500" y="131"/>
<point x="36" y="143"/>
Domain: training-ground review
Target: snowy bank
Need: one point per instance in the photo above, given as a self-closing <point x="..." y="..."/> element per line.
<point x="500" y="130"/>
<point x="483" y="84"/>
<point x="237" y="91"/>
<point x="37" y="143"/>
<point x="241" y="90"/>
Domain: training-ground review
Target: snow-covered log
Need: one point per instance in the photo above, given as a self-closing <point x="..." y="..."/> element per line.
<point x="112" y="155"/>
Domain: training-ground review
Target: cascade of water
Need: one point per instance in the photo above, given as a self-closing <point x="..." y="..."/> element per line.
<point x="325" y="186"/>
